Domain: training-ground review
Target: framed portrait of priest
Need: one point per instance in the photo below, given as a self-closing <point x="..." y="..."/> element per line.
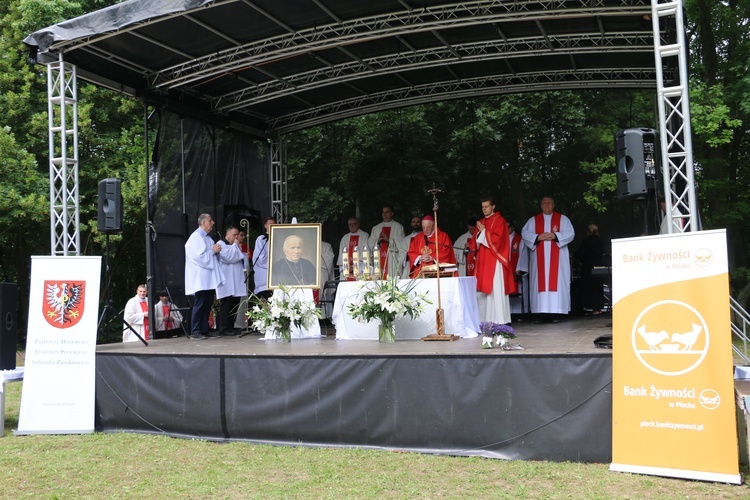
<point x="294" y="256"/>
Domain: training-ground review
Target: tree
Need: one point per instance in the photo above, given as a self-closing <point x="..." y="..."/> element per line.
<point x="111" y="145"/>
<point x="719" y="34"/>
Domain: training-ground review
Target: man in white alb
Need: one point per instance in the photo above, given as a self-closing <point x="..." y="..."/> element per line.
<point x="202" y="275"/>
<point x="136" y="316"/>
<point x="233" y="262"/>
<point x="461" y="247"/>
<point x="384" y="239"/>
<point x="355" y="238"/>
<point x="547" y="236"/>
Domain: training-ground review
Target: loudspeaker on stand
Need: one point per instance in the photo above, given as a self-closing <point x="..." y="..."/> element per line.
<point x="636" y="162"/>
<point x="110" y="206"/>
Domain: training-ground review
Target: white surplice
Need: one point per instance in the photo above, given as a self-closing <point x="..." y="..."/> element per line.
<point x="233" y="262"/>
<point x="202" y="270"/>
<point x="557" y="302"/>
<point x="394" y="251"/>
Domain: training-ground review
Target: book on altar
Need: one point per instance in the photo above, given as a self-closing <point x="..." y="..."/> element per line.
<point x="447" y="270"/>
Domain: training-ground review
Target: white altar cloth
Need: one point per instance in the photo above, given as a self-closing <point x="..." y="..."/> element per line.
<point x="459" y="303"/>
<point x="305" y="294"/>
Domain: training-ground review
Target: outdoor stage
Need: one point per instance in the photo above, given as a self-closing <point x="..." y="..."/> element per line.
<point x="550" y="401"/>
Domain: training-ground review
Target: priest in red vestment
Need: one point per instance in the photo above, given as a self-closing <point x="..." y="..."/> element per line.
<point x="423" y="251"/>
<point x="494" y="273"/>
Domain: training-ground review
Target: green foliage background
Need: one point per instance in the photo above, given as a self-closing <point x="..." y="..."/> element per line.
<point x="517" y="147"/>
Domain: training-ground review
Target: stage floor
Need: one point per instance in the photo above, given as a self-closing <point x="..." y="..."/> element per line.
<point x="571" y="336"/>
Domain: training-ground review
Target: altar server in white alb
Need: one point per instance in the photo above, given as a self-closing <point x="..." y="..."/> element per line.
<point x="461" y="249"/>
<point x="547" y="236"/>
<point x="167" y="317"/>
<point x="385" y="239"/>
<point x="233" y="262"/>
<point x="202" y="274"/>
<point x="355" y="238"/>
<point x="260" y="261"/>
<point x="136" y="316"/>
<point x="327" y="271"/>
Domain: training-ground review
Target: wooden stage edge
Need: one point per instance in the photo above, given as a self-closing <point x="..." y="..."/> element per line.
<point x="571" y="336"/>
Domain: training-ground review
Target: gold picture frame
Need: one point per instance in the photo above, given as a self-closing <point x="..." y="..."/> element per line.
<point x="294" y="256"/>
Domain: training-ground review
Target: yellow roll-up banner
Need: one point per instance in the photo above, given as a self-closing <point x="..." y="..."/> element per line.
<point x="673" y="393"/>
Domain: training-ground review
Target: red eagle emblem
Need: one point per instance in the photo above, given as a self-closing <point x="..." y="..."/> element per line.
<point x="63" y="303"/>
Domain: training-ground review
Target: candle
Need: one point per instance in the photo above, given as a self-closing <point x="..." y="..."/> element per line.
<point x="355" y="262"/>
<point x="376" y="264"/>
<point x="366" y="262"/>
<point x="345" y="262"/>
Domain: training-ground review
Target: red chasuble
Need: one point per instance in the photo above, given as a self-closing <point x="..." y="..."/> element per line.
<point x="421" y="244"/>
<point x="386" y="230"/>
<point x="166" y="313"/>
<point x="498" y="250"/>
<point x="554" y="261"/>
<point x="144" y="308"/>
<point x="471" y="257"/>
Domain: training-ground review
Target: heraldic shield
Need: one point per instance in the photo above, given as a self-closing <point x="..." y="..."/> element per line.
<point x="63" y="302"/>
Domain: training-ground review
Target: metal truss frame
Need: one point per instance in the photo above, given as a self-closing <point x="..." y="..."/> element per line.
<point x="340" y="33"/>
<point x="278" y="178"/>
<point x="433" y="57"/>
<point x="62" y="107"/>
<point x="468" y="87"/>
<point x="674" y="121"/>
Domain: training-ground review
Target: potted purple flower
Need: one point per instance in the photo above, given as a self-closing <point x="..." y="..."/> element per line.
<point x="495" y="331"/>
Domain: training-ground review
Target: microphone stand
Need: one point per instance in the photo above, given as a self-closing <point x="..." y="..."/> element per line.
<point x="252" y="294"/>
<point x="439" y="314"/>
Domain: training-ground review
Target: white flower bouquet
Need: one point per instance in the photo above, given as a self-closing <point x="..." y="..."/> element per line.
<point x="283" y="310"/>
<point x="387" y="300"/>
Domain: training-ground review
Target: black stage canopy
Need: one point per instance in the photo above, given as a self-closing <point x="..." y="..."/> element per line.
<point x="275" y="66"/>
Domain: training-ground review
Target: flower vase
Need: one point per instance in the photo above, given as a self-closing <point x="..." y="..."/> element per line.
<point x="284" y="334"/>
<point x="387" y="329"/>
<point x="502" y="342"/>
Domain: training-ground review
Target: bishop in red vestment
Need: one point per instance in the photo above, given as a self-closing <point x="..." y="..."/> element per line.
<point x="423" y="251"/>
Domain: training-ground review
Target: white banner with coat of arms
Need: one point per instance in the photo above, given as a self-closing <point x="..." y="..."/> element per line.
<point x="58" y="387"/>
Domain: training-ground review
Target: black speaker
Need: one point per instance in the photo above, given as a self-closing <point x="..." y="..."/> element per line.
<point x="8" y="325"/>
<point x="636" y="161"/>
<point x="110" y="206"/>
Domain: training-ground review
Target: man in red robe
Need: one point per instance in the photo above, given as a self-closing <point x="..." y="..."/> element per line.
<point x="494" y="273"/>
<point x="424" y="252"/>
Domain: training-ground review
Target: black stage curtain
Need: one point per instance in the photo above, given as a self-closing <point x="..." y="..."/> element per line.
<point x="515" y="407"/>
<point x="200" y="168"/>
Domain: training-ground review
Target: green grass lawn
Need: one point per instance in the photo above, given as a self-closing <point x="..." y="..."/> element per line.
<point x="136" y="465"/>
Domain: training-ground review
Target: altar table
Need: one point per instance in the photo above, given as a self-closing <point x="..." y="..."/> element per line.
<point x="459" y="303"/>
